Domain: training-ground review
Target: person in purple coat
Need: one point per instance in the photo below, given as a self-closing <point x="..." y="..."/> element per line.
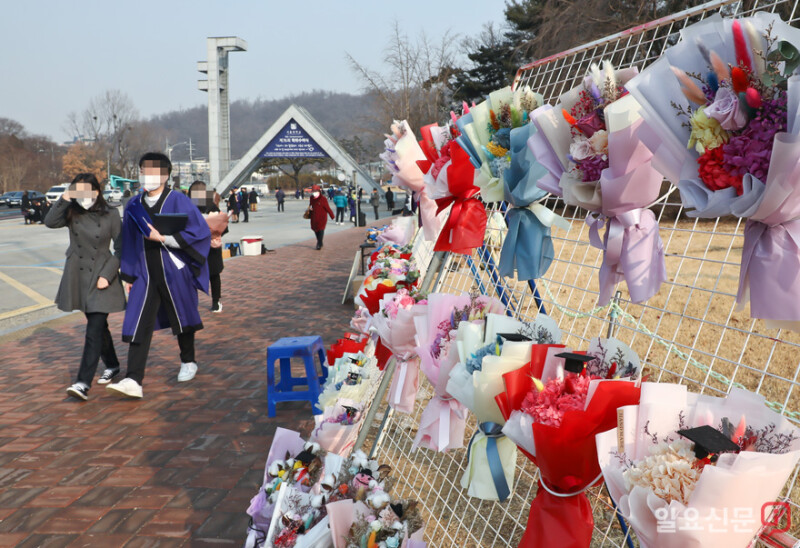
<point x="165" y="272"/>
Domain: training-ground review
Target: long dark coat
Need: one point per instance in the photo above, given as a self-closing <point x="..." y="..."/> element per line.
<point x="88" y="258"/>
<point x="320" y="211"/>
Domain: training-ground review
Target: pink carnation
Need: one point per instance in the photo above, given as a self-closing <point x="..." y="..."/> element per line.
<point x="558" y="396"/>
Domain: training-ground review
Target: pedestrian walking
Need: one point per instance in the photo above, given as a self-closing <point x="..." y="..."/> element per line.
<point x="319" y="211"/>
<point x="280" y="197"/>
<point x="375" y="201"/>
<point x="253" y="200"/>
<point x="90" y="282"/>
<point x="297" y="194"/>
<point x="206" y="201"/>
<point x="389" y="199"/>
<point x="25" y="207"/>
<point x="233" y="205"/>
<point x="244" y="207"/>
<point x="164" y="270"/>
<point x="340" y="201"/>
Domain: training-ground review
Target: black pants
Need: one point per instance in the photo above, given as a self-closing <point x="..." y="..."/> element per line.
<point x="245" y="210"/>
<point x="216" y="288"/>
<point x="319" y="234"/>
<point x="137" y="352"/>
<point x="98" y="344"/>
<point x="280" y="206"/>
<point x="340" y="211"/>
<point x="376" y="212"/>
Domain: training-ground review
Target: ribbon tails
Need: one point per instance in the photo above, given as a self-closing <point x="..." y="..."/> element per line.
<point x="466" y="225"/>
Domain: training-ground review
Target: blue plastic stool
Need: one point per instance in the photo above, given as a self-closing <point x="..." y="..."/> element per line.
<point x="282" y="351"/>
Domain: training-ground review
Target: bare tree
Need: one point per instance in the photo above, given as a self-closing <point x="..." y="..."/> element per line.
<point x="414" y="85"/>
<point x="291" y="167"/>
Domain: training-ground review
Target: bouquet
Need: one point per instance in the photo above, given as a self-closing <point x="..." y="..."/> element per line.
<point x="724" y="105"/>
<point x="385" y="276"/>
<point x="352" y="377"/>
<point x="442" y="422"/>
<point x="290" y="461"/>
<point x="401" y="156"/>
<point x="398" y="523"/>
<point x="337" y="428"/>
<point x="592" y="148"/>
<point x="351" y="343"/>
<point x="528" y="247"/>
<point x="301" y="518"/>
<point x="554" y="407"/>
<point x="486" y="135"/>
<point x="449" y="179"/>
<point x="395" y="324"/>
<point x="400" y="233"/>
<point x="680" y="464"/>
<point x="389" y="250"/>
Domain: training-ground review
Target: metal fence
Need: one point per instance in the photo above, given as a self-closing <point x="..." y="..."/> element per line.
<point x="688" y="333"/>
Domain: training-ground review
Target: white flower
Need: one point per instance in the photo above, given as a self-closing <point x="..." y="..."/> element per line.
<point x="580" y="149"/>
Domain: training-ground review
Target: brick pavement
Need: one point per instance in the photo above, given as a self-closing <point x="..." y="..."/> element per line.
<point x="179" y="467"/>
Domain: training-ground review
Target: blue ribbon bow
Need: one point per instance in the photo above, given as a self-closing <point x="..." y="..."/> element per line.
<point x="492" y="431"/>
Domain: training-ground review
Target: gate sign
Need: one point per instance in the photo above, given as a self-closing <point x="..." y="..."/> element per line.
<point x="292" y="142"/>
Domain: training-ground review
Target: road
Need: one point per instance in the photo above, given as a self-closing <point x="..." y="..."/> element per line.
<point x="32" y="256"/>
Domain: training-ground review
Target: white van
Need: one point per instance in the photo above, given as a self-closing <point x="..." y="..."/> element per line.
<point x="55" y="193"/>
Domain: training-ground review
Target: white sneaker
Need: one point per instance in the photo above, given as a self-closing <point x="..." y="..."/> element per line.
<point x="126" y="387"/>
<point x="187" y="372"/>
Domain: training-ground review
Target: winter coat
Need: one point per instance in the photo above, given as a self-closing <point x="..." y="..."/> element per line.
<point x="340" y="200"/>
<point x="89" y="258"/>
<point x="320" y="211"/>
<point x="374" y="199"/>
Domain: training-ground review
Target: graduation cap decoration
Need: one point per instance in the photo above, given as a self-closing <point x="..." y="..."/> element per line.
<point x="305" y="456"/>
<point x="573" y="362"/>
<point x="350" y="411"/>
<point x="514" y="337"/>
<point x="397" y="508"/>
<point x="708" y="441"/>
<point x="354" y="377"/>
<point x="366" y="472"/>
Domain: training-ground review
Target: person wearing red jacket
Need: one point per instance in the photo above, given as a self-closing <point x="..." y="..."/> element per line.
<point x="320" y="211"/>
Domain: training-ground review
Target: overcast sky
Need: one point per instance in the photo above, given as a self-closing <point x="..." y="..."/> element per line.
<point x="57" y="54"/>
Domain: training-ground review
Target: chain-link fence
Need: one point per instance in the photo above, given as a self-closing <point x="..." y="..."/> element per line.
<point x="689" y="333"/>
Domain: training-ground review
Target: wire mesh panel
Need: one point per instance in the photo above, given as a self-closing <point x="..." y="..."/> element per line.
<point x="689" y="333"/>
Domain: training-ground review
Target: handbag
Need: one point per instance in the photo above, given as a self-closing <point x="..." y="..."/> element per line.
<point x="307" y="214"/>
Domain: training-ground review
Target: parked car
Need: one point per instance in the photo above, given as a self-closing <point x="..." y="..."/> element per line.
<point x="4" y="198"/>
<point x="15" y="198"/>
<point x="112" y="195"/>
<point x="55" y="192"/>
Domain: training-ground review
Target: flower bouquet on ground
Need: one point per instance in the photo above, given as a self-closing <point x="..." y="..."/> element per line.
<point x="443" y="421"/>
<point x="591" y="145"/>
<point x="554" y="407"/>
<point x="389" y="250"/>
<point x="401" y="156"/>
<point x="290" y="461"/>
<point x="385" y="276"/>
<point x="400" y="233"/>
<point x="729" y="91"/>
<point x="486" y="135"/>
<point x="394" y="524"/>
<point x="395" y="324"/>
<point x="352" y="377"/>
<point x="301" y="519"/>
<point x="351" y="343"/>
<point x="690" y="470"/>
<point x="337" y="428"/>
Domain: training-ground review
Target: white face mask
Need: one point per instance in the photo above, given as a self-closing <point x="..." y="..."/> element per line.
<point x="315" y="194"/>
<point x="86" y="203"/>
<point x="150" y="182"/>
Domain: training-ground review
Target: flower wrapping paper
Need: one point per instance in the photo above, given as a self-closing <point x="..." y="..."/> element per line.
<point x="739" y="481"/>
<point x="766" y="195"/>
<point x="618" y="200"/>
<point x="566" y="455"/>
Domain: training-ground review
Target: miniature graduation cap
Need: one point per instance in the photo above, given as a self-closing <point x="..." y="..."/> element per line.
<point x="366" y="472"/>
<point x="573" y="362"/>
<point x="708" y="441"/>
<point x="514" y="337"/>
<point x="305" y="456"/>
<point x="397" y="508"/>
<point x="350" y="411"/>
<point x="354" y="376"/>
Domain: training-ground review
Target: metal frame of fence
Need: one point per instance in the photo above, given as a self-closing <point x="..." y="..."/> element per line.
<point x="690" y="333"/>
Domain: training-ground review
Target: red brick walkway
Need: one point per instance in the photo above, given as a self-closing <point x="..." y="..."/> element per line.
<point x="179" y="467"/>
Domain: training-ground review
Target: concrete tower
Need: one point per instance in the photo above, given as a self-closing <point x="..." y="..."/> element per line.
<point x="216" y="84"/>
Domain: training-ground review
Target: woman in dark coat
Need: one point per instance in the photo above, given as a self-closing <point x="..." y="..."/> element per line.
<point x="233" y="205"/>
<point x="206" y="202"/>
<point x="90" y="282"/>
<point x="320" y="211"/>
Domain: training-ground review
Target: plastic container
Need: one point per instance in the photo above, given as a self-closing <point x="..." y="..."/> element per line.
<point x="251" y="245"/>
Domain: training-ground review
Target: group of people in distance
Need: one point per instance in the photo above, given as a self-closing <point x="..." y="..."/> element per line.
<point x="242" y="202"/>
<point x="33" y="210"/>
<point x="161" y="270"/>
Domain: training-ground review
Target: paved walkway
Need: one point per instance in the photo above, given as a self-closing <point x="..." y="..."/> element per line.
<point x="179" y="467"/>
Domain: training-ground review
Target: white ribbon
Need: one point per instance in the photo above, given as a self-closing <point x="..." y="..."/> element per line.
<point x="548" y="217"/>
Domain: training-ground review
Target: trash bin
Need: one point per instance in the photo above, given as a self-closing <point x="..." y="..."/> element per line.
<point x="251" y="245"/>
